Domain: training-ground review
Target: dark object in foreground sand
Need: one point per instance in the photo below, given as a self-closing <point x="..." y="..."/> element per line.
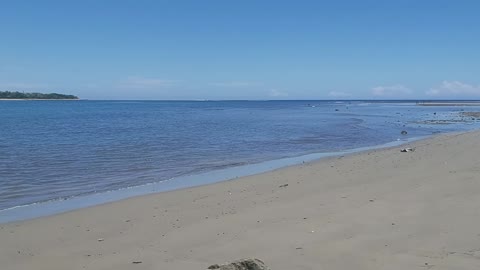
<point x="243" y="264"/>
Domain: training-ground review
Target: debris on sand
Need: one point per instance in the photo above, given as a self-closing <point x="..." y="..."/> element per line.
<point x="243" y="264"/>
<point x="407" y="150"/>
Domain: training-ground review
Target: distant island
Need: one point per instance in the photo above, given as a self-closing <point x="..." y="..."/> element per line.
<point x="23" y="95"/>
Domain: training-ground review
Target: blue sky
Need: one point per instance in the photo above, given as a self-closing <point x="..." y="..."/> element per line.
<point x="101" y="49"/>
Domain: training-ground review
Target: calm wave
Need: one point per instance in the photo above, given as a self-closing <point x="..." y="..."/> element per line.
<point x="60" y="149"/>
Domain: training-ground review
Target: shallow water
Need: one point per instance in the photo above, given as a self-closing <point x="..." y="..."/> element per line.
<point x="52" y="150"/>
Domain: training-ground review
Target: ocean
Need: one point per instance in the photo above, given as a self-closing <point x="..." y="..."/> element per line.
<point x="71" y="152"/>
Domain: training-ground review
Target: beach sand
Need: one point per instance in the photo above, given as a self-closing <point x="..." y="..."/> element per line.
<point x="380" y="209"/>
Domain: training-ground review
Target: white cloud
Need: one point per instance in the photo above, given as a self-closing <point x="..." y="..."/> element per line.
<point x="145" y="83"/>
<point x="234" y="84"/>
<point x="454" y="88"/>
<point x="277" y="93"/>
<point x="339" y="94"/>
<point x="13" y="86"/>
<point x="391" y="91"/>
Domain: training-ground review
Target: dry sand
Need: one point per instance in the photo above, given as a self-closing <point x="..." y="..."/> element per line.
<point x="380" y="209"/>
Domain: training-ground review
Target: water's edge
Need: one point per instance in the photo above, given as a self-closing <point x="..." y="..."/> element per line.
<point x="36" y="210"/>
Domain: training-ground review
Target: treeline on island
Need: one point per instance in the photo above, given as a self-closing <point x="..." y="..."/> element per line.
<point x="23" y="95"/>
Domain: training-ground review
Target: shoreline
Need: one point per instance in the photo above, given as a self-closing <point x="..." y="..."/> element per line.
<point x="59" y="206"/>
<point x="370" y="210"/>
<point x="444" y="104"/>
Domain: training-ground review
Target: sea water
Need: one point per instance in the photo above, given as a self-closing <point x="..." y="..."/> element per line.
<point x="75" y="153"/>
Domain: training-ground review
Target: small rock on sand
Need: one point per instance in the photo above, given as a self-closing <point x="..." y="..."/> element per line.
<point x="243" y="264"/>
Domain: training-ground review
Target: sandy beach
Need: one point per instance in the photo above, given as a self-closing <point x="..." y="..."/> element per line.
<point x="381" y="209"/>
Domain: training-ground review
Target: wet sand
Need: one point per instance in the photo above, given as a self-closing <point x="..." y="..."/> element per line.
<point x="477" y="103"/>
